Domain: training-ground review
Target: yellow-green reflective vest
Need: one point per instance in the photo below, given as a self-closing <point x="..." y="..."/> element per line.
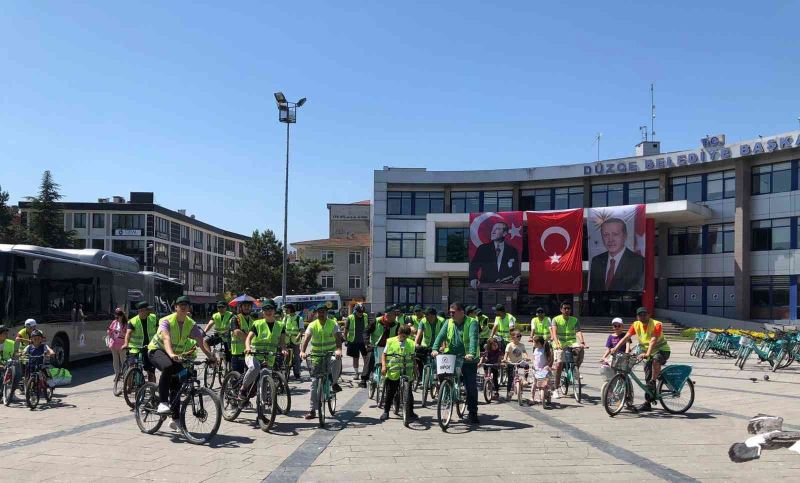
<point x="395" y="364"/>
<point x="24" y="334"/>
<point x="377" y="332"/>
<point x="7" y="350"/>
<point x="467" y="327"/>
<point x="138" y="337"/>
<point x="504" y="326"/>
<point x="645" y="333"/>
<point x="291" y="324"/>
<point x="222" y="323"/>
<point x="323" y="337"/>
<point x="266" y="339"/>
<point x="179" y="336"/>
<point x="429" y="332"/>
<point x="351" y="332"/>
<point x="541" y="327"/>
<point x="237" y="343"/>
<point x="565" y="330"/>
<point x="485" y="327"/>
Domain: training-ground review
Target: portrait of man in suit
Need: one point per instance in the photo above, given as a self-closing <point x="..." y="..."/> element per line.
<point x="495" y="262"/>
<point x="618" y="268"/>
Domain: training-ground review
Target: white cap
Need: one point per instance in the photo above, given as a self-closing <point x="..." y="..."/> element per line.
<point x="616" y="320"/>
<point x="30" y="323"/>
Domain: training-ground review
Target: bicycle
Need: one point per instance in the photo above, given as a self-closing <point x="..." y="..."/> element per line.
<point x="221" y="350"/>
<point x="267" y="389"/>
<point x="401" y="402"/>
<point x="36" y="381"/>
<point x="489" y="388"/>
<point x="133" y="377"/>
<point x="325" y="394"/>
<point x="377" y="386"/>
<point x="193" y="400"/>
<point x="671" y="390"/>
<point x="518" y="384"/>
<point x="570" y="374"/>
<point x="11" y="382"/>
<point x="541" y="383"/>
<point x="451" y="393"/>
<point x="428" y="383"/>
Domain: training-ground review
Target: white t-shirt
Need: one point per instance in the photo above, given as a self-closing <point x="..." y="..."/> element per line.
<point x="515" y="351"/>
<point x="539" y="358"/>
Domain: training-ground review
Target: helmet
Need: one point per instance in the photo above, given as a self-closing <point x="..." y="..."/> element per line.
<point x="37" y="332"/>
<point x="30" y="323"/>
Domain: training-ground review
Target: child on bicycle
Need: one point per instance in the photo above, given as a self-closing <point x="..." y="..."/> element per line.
<point x="543" y="361"/>
<point x="515" y="353"/>
<point x="37" y="349"/>
<point x="391" y="368"/>
<point x="493" y="355"/>
<point x="617" y="333"/>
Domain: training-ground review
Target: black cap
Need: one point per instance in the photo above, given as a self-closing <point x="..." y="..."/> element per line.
<point x="269" y="304"/>
<point x="142" y="306"/>
<point x="431" y="311"/>
<point x="469" y="309"/>
<point x="221" y="303"/>
<point x="418" y="308"/>
<point x="539" y="309"/>
<point x="500" y="308"/>
<point x="183" y="299"/>
<point x="641" y="310"/>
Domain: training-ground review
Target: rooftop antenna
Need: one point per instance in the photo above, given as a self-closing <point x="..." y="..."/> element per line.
<point x="652" y="112"/>
<point x="643" y="130"/>
<point x="597" y="140"/>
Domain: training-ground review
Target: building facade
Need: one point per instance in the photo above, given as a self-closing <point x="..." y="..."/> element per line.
<point x="726" y="217"/>
<point x="347" y="250"/>
<point x="161" y="240"/>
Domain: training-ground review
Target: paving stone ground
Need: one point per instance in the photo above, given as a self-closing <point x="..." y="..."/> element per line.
<point x="87" y="434"/>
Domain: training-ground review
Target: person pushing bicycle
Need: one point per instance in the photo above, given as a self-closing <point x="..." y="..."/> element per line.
<point x="266" y="335"/>
<point x="391" y="367"/>
<point x="325" y="336"/>
<point x="649" y="333"/>
<point x="565" y="331"/>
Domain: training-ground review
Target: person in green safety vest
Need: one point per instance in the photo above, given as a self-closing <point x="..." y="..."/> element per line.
<point x="354" y="326"/>
<point x="240" y="326"/>
<point x="265" y="335"/>
<point x="402" y="347"/>
<point x="565" y="332"/>
<point x="376" y="334"/>
<point x="168" y="345"/>
<point x="459" y="335"/>
<point x="221" y="323"/>
<point x="427" y="330"/>
<point x="540" y="325"/>
<point x="294" y="325"/>
<point x="141" y="328"/>
<point x="484" y="328"/>
<point x="6" y="353"/>
<point x="503" y="324"/>
<point x="325" y="336"/>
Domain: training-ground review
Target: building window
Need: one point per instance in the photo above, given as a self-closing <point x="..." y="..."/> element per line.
<point x="451" y="245"/>
<point x="98" y="220"/>
<point x="326" y="281"/>
<point x="413" y="291"/>
<point x="720" y="238"/>
<point x="685" y="295"/>
<point x="772" y="178"/>
<point x="355" y="281"/>
<point x="641" y="192"/>
<point x="355" y="258"/>
<point x="197" y="262"/>
<point x="184" y="235"/>
<point x="99" y="244"/>
<point x="497" y="201"/>
<point x="720" y="296"/>
<point x="326" y="256"/>
<point x="459" y="290"/>
<point x="79" y="243"/>
<point x="405" y="245"/>
<point x="198" y="239"/>
<point x="162" y="228"/>
<point x="569" y="198"/>
<point x="131" y="248"/>
<point x="130" y="222"/>
<point x="79" y="220"/>
<point x="608" y="195"/>
<point x="536" y="200"/>
<point x="720" y="185"/>
<point x="686" y="240"/>
<point x="771" y="234"/>
<point x="769" y="297"/>
<point x="686" y="188"/>
<point x="465" y="202"/>
<point x="184" y="257"/>
<point x="414" y="203"/>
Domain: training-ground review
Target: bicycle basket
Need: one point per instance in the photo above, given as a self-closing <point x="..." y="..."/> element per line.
<point x="607" y="372"/>
<point x="676" y="376"/>
<point x="623" y="362"/>
<point x="711" y="335"/>
<point x="320" y="365"/>
<point x="569" y="356"/>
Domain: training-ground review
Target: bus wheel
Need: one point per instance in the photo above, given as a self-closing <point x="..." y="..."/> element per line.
<point x="61" y="347"/>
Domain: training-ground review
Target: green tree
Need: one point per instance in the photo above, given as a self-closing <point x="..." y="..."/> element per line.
<point x="5" y="210"/>
<point x="10" y="232"/>
<point x="47" y="218"/>
<point x="303" y="276"/>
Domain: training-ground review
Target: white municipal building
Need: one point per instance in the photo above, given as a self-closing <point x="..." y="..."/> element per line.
<point x="726" y="219"/>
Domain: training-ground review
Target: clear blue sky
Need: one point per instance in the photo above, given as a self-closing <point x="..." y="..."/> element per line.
<point x="176" y="97"/>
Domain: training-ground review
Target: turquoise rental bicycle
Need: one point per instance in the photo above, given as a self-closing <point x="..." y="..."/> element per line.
<point x="451" y="392"/>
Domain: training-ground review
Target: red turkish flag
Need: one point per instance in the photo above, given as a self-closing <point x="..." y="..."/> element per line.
<point x="555" y="247"/>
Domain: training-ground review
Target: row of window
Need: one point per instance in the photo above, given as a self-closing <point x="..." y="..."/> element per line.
<point x="543" y="199"/>
<point x="770" y="297"/>
<point x="328" y="256"/>
<point x="697" y="240"/>
<point x="710" y="295"/>
<point x="327" y="281"/>
<point x="703" y="187"/>
<point x="117" y="221"/>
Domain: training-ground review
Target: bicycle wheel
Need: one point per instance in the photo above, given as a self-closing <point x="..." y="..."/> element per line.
<point x="564" y="383"/>
<point x="9" y="383"/>
<point x="132" y="381"/>
<point x="373" y="388"/>
<point x="32" y="391"/>
<point x="417" y="378"/>
<point x="745" y="356"/>
<point x="461" y="400"/>
<point x="210" y="374"/>
<point x="444" y="408"/>
<point x="488" y="389"/>
<point x="693" y="347"/>
<point x="266" y="403"/>
<point x="200" y="416"/>
<point x="321" y="400"/>
<point x="332" y="403"/>
<point x="426" y="381"/>
<point x="782" y="360"/>
<point x="283" y="393"/>
<point x="118" y="384"/>
<point x="705" y="349"/>
<point x="576" y="384"/>
<point x="381" y="394"/>
<point x="230" y="395"/>
<point x="614" y="395"/>
<point x="145" y="409"/>
<point x="288" y="361"/>
<point x="519" y="391"/>
<point x="404" y="406"/>
<point x="48" y="392"/>
<point x="676" y="403"/>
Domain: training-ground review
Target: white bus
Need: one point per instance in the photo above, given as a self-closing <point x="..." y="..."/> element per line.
<point x="303" y="303"/>
<point x="72" y="294"/>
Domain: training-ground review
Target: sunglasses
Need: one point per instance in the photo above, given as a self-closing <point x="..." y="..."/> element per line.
<point x="616" y="325"/>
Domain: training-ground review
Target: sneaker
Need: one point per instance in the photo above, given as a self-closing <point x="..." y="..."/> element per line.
<point x="173" y="425"/>
<point x="163" y="408"/>
<point x="473" y="419"/>
<point x="644" y="407"/>
<point x="336" y="388"/>
<point x="545" y="405"/>
<point x="310" y="415"/>
<point x="384" y="416"/>
<point x="362" y="384"/>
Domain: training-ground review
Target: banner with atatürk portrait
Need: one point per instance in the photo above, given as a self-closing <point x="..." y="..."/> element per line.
<point x="495" y="250"/>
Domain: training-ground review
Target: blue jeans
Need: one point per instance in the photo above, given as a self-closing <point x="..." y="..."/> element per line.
<point x="469" y="374"/>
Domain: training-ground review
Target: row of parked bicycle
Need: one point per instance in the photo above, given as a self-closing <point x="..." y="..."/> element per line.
<point x="780" y="348"/>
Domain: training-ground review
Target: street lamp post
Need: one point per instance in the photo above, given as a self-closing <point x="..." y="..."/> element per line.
<point x="287" y="113"/>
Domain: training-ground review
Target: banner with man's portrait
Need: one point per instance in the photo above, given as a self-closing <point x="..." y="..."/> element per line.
<point x="495" y="250"/>
<point x="616" y="248"/>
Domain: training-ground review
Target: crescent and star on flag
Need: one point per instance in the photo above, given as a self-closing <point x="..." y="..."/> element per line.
<point x="555" y="230"/>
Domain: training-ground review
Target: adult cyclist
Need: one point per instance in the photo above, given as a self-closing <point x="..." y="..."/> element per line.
<point x="221" y="323"/>
<point x="294" y="327"/>
<point x="240" y="326"/>
<point x="565" y="331"/>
